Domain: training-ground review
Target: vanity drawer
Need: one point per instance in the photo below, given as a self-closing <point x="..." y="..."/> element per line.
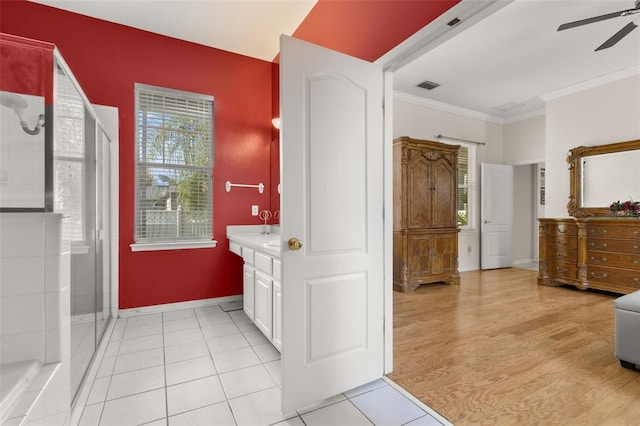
<point x="562" y="269"/>
<point x="613" y="260"/>
<point x="263" y="262"/>
<point x="235" y="248"/>
<point x="276" y="269"/>
<point x="618" y="246"/>
<point x="247" y="255"/>
<point x="607" y="231"/>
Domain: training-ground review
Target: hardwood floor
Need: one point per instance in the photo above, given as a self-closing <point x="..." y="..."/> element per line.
<point x="500" y="350"/>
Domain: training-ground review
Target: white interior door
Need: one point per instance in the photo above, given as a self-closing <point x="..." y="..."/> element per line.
<point x="332" y="201"/>
<point x="496" y="192"/>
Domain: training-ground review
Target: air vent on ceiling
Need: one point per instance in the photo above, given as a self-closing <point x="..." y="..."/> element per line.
<point x="429" y="85"/>
<point x="454" y="22"/>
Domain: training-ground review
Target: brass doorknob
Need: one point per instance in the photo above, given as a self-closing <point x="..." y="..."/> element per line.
<point x="295" y="244"/>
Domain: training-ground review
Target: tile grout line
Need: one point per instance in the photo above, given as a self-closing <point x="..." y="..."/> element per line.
<point x="430" y="411"/>
<point x="166" y="387"/>
<point x="104" y="400"/>
<point x="240" y="332"/>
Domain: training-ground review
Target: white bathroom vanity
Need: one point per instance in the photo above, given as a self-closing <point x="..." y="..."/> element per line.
<point x="262" y="291"/>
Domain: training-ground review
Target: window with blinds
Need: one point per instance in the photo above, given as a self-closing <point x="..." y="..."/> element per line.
<point x="174" y="165"/>
<point x="466" y="183"/>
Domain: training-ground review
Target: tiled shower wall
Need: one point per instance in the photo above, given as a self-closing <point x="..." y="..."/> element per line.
<point x="34" y="288"/>
<point x="83" y="291"/>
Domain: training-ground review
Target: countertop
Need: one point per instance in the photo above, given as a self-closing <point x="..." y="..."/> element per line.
<point x="251" y="236"/>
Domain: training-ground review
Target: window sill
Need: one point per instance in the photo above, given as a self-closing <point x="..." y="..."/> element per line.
<point x="468" y="230"/>
<point x="179" y="245"/>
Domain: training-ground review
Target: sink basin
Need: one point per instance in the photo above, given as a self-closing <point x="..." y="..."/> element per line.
<point x="274" y="243"/>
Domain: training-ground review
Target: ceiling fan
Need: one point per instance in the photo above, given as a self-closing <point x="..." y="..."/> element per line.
<point x="617" y="36"/>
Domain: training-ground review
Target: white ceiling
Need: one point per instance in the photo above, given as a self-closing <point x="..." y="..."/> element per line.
<point x="515" y="56"/>
<point x="248" y="27"/>
<point x="512" y="57"/>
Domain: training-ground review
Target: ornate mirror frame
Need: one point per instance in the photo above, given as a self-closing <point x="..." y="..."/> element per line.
<point x="575" y="160"/>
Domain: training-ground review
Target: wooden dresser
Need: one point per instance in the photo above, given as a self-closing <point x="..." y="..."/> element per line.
<point x="595" y="252"/>
<point x="425" y="221"/>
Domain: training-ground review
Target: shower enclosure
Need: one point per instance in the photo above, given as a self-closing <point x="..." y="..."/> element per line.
<point x="54" y="233"/>
<point x="81" y="178"/>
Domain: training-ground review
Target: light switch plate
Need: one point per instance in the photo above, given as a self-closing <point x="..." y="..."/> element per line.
<point x="254" y="210"/>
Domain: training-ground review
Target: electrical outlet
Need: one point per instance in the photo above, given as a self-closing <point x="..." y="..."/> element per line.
<point x="254" y="210"/>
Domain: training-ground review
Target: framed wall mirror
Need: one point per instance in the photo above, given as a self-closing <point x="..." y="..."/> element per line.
<point x="601" y="175"/>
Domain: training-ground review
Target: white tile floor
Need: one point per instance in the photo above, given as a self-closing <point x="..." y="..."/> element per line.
<point x="205" y="366"/>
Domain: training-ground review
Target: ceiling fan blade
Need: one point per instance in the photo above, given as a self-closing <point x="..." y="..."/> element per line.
<point x="618" y="36"/>
<point x="594" y="19"/>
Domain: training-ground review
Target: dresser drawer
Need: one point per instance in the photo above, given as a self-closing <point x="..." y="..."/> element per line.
<point x="608" y="244"/>
<point x="562" y="269"/>
<point x="612" y="231"/>
<point x="613" y="260"/>
<point x="564" y="255"/>
<point x="614" y="276"/>
<point x="562" y="242"/>
<point x="563" y="229"/>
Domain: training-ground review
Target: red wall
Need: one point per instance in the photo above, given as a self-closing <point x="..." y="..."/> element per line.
<point x="23" y="67"/>
<point x="107" y="59"/>
<point x="368" y="29"/>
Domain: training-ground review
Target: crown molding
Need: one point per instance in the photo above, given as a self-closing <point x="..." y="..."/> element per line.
<point x="464" y="112"/>
<point x="589" y="84"/>
<point x="444" y="107"/>
<point x="525" y="116"/>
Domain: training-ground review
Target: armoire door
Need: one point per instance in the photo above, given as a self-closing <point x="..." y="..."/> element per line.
<point x="418" y="190"/>
<point x="443" y="182"/>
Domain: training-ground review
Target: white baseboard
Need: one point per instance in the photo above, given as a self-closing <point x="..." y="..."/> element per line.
<point x="124" y="313"/>
<point x="523" y="261"/>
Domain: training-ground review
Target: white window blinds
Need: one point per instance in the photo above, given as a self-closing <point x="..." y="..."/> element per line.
<point x="174" y="165"/>
<point x="466" y="183"/>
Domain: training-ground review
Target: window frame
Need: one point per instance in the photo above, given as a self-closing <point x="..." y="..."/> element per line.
<point x="470" y="186"/>
<point x="166" y="243"/>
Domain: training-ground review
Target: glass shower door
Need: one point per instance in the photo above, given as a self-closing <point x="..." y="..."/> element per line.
<point x="81" y="182"/>
<point x="102" y="235"/>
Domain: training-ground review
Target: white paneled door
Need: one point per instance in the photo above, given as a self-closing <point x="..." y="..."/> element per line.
<point x="496" y="230"/>
<point x="332" y="203"/>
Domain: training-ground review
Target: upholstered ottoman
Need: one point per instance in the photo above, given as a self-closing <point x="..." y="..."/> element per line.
<point x="627" y="314"/>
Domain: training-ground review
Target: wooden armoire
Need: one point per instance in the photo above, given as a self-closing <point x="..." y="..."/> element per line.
<point x="425" y="220"/>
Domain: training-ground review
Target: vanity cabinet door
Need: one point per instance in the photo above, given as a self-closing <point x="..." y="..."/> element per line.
<point x="264" y="303"/>
<point x="277" y="315"/>
<point x="248" y="292"/>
